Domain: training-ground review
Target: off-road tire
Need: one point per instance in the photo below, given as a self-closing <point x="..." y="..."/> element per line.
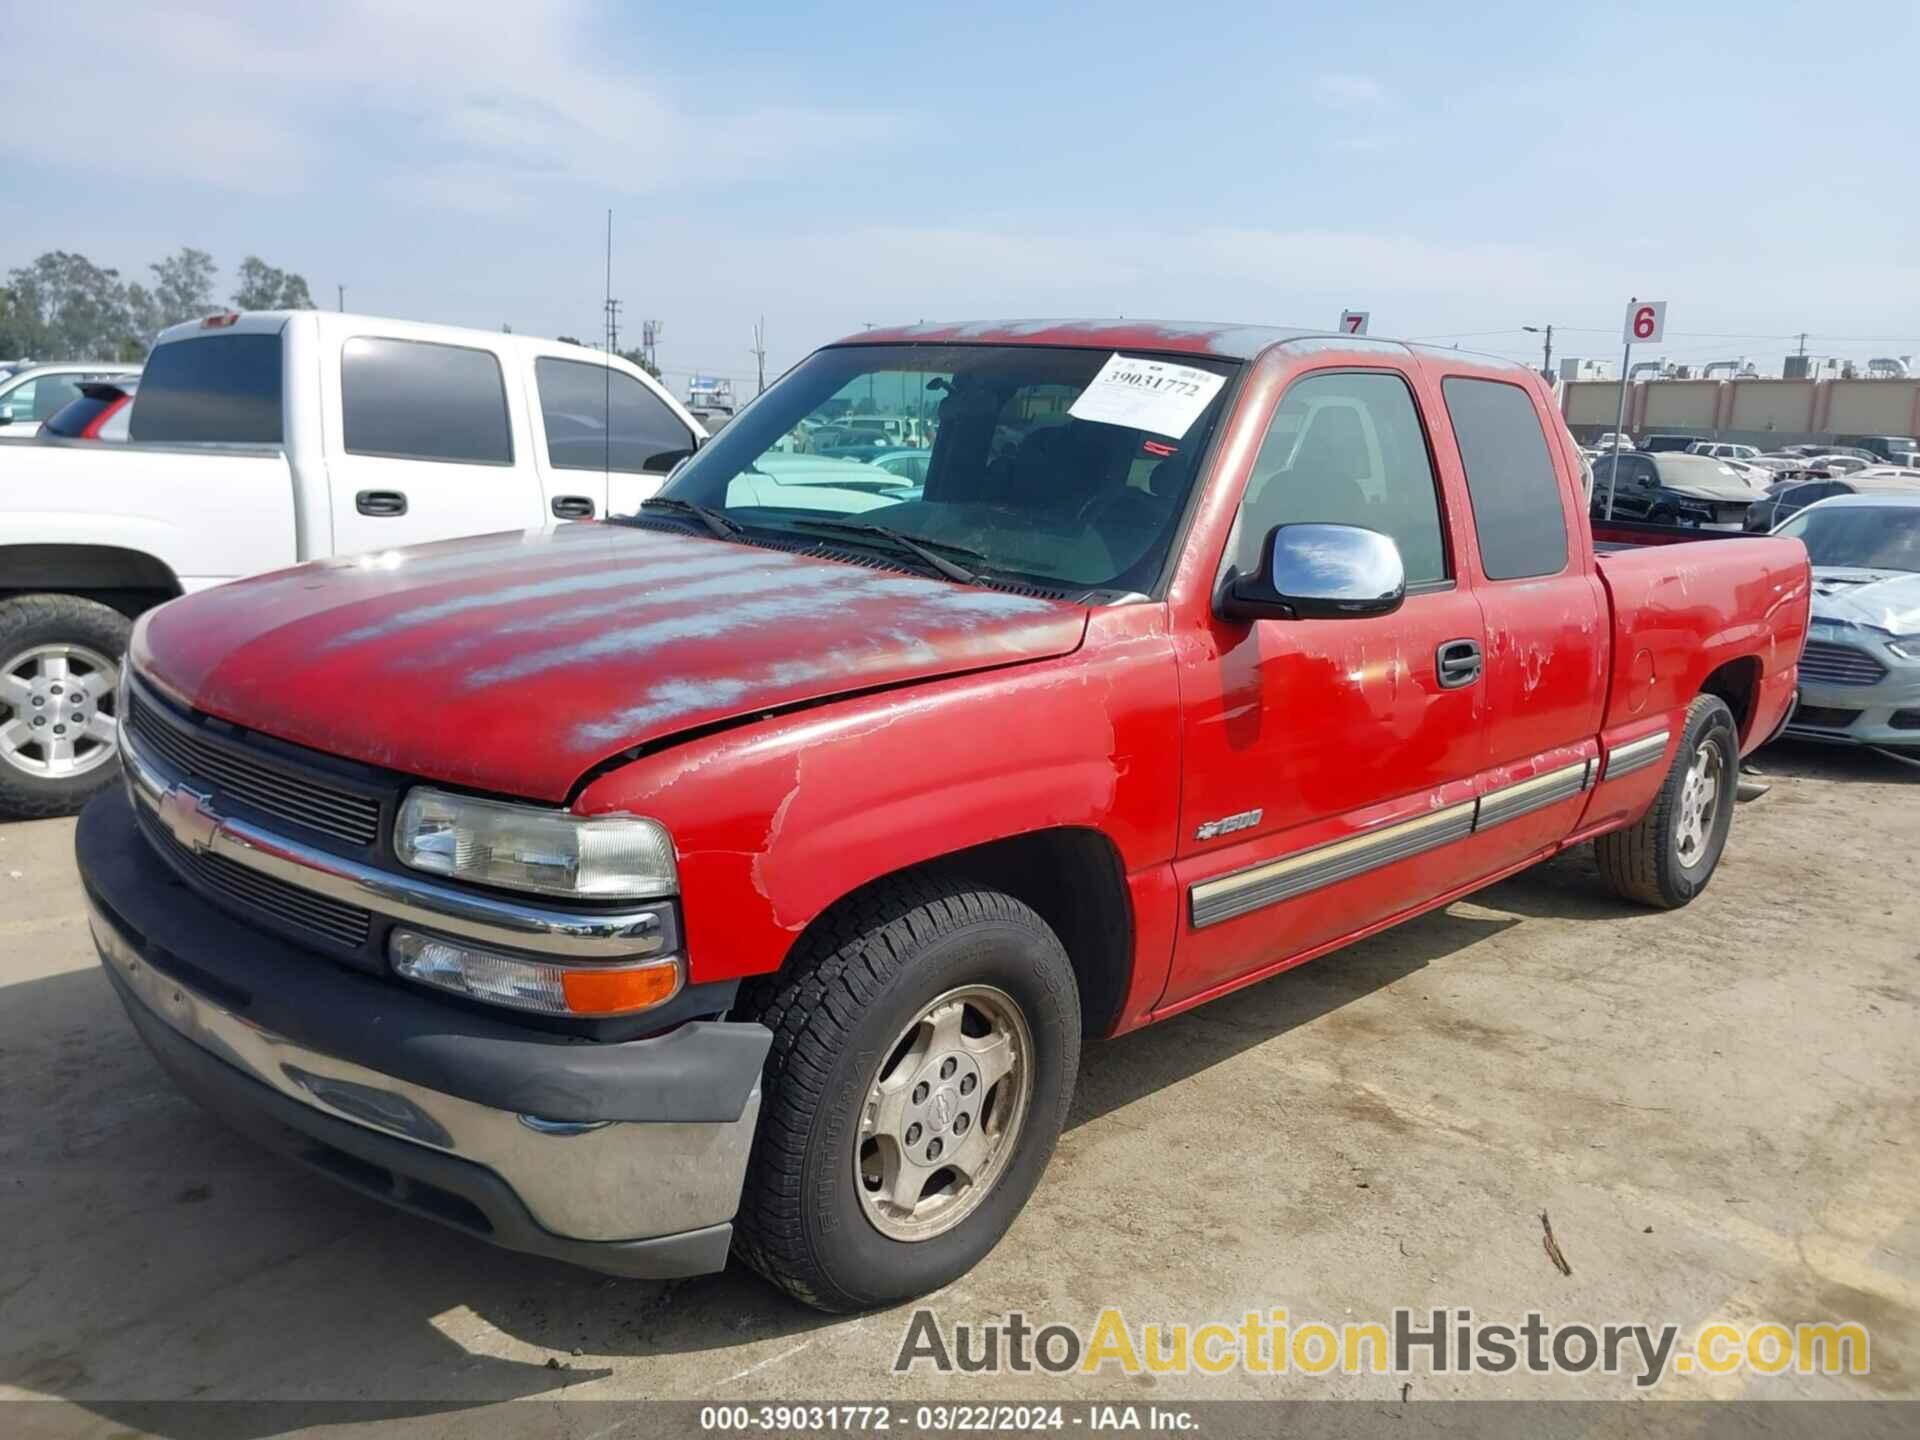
<point x="1641" y="862"/>
<point x="29" y="620"/>
<point x="856" y="978"/>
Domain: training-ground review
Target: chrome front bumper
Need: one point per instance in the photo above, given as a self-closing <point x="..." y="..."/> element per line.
<point x="581" y="1180"/>
<point x="623" y="1156"/>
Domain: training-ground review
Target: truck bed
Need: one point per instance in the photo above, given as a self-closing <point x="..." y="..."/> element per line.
<point x="1683" y="610"/>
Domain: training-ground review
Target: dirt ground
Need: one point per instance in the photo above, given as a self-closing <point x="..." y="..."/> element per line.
<point x="1717" y="1109"/>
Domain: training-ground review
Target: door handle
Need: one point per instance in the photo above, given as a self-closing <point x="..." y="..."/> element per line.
<point x="380" y="502"/>
<point x="1458" y="663"/>
<point x="572" y="507"/>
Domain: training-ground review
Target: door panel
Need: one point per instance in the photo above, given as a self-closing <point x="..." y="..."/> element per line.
<point x="1329" y="765"/>
<point x="428" y="442"/>
<point x="1327" y="732"/>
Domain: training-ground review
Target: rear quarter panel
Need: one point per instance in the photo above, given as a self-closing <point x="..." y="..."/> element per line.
<point x="208" y="515"/>
<point x="1679" y="613"/>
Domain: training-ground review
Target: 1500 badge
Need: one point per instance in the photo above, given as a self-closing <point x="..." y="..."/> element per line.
<point x="1227" y="824"/>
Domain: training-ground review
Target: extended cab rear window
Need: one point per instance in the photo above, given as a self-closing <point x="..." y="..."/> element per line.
<point x="1517" y="508"/>
<point x="415" y="400"/>
<point x="214" y="389"/>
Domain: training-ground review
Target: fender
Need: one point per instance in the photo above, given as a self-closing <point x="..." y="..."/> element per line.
<point x="776" y="820"/>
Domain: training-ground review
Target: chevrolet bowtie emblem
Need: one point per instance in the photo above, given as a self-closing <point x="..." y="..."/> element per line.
<point x="185" y="814"/>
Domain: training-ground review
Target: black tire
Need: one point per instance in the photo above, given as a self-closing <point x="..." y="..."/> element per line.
<point x="27" y="621"/>
<point x="856" y="980"/>
<point x="1643" y="861"/>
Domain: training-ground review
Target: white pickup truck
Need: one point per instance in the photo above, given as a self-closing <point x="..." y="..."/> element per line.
<point x="261" y="440"/>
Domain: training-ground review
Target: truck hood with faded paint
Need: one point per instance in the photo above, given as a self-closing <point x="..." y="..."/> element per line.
<point x="1886" y="600"/>
<point x="514" y="663"/>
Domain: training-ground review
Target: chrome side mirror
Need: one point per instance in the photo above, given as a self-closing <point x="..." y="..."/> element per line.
<point x="1318" y="572"/>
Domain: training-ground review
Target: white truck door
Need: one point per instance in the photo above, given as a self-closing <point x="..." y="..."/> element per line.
<point x="606" y="437"/>
<point x="427" y="441"/>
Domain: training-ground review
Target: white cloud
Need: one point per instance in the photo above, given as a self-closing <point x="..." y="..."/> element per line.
<point x="473" y="102"/>
<point x="1352" y="91"/>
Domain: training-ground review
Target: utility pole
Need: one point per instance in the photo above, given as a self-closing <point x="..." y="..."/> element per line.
<point x="1546" y="360"/>
<point x="613" y="326"/>
<point x="760" y="355"/>
<point x="340" y="297"/>
<point x="650" y="340"/>
<point x="1803" y="342"/>
<point x="1620" y="414"/>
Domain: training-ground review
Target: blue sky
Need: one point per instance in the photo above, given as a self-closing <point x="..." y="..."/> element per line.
<point x="1456" y="172"/>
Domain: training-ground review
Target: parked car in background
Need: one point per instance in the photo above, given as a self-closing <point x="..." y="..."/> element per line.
<point x="1785" y="498"/>
<point x="1751" y="471"/>
<point x="29" y="397"/>
<point x="1840" y="462"/>
<point x="742" y="878"/>
<point x="1723" y="450"/>
<point x="782" y="478"/>
<point x="260" y="440"/>
<point x="1673" y="488"/>
<point x="103" y="411"/>
<point x="1609" y="438"/>
<point x="908" y="465"/>
<point x="1860" y="674"/>
<point x="1662" y="444"/>
<point x="1894" y="449"/>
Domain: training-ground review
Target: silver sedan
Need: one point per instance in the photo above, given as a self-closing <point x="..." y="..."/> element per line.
<point x="1860" y="675"/>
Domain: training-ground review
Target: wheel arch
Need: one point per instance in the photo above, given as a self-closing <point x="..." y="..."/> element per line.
<point x="1737" y="682"/>
<point x="1072" y="877"/>
<point x="127" y="580"/>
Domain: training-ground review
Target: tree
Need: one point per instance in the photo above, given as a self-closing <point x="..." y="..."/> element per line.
<point x="639" y="357"/>
<point x="144" y="322"/>
<point x="567" y="339"/>
<point x="182" y="287"/>
<point x="16" y="337"/>
<point x="267" y="287"/>
<point x="68" y="308"/>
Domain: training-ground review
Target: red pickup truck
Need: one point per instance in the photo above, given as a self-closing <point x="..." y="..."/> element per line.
<point x="742" y="875"/>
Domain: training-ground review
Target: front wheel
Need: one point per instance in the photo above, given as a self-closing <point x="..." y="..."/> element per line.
<point x="925" y="1043"/>
<point x="1668" y="855"/>
<point x="59" y="662"/>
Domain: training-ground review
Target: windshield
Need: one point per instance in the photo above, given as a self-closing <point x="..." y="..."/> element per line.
<point x="1010" y="454"/>
<point x="1862" y="537"/>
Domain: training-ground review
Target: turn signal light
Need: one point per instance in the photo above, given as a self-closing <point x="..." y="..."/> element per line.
<point x="541" y="986"/>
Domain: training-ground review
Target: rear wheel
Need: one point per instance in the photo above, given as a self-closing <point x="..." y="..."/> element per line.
<point x="925" y="1043"/>
<point x="1668" y="856"/>
<point x="59" y="660"/>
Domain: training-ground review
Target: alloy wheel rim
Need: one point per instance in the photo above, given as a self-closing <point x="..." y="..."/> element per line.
<point x="1700" y="797"/>
<point x="943" y="1113"/>
<point x="57" y="711"/>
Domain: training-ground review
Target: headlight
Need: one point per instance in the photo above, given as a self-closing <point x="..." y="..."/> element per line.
<point x="1908" y="649"/>
<point x="520" y="847"/>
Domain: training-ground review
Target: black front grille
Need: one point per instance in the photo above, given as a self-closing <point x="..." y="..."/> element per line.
<point x="253" y="778"/>
<point x="1825" y="717"/>
<point x="302" y="910"/>
<point x="1905" y="720"/>
<point x="1828" y="664"/>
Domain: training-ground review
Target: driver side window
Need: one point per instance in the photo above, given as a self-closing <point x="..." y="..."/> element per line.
<point x="1347" y="449"/>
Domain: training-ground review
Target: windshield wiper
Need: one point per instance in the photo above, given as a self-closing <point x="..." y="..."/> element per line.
<point x="923" y="550"/>
<point x="724" y="527"/>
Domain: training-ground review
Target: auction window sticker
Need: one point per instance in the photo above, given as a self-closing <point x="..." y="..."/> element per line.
<point x="1156" y="395"/>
